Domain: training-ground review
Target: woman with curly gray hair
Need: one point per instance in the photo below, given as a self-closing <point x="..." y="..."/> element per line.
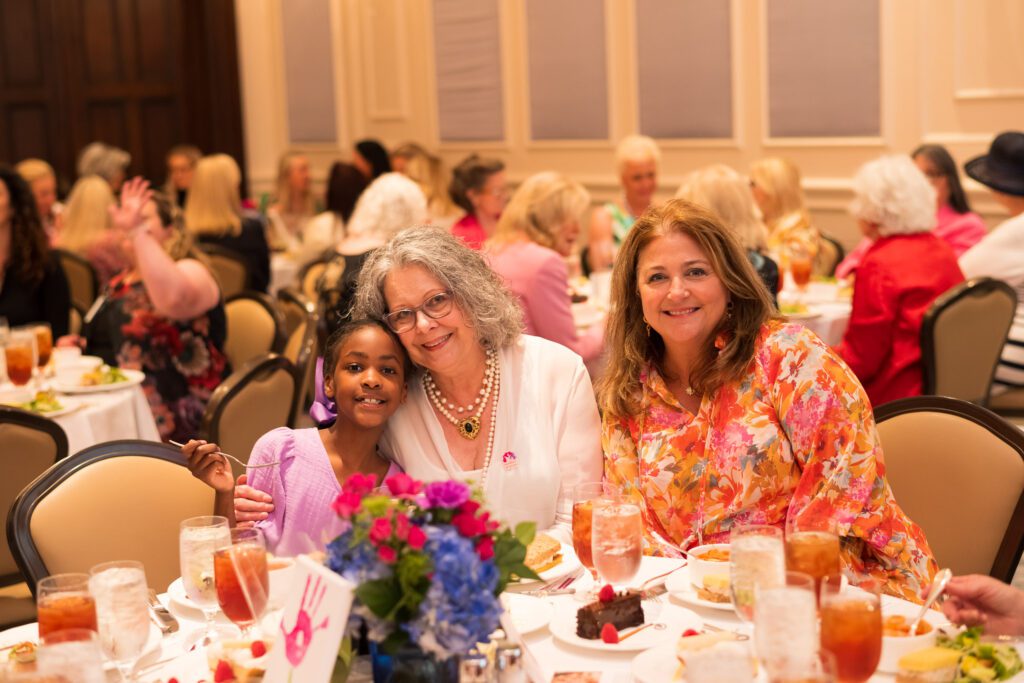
<point x="515" y="414"/>
<point x="902" y="273"/>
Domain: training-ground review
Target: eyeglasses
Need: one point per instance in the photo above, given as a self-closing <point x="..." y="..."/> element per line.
<point x="436" y="306"/>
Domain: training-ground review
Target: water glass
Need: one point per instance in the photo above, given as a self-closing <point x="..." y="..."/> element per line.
<point x="617" y="540"/>
<point x="756" y="558"/>
<point x="242" y="580"/>
<point x="198" y="539"/>
<point x="819" y="668"/>
<point x="74" y="654"/>
<point x="122" y="606"/>
<point x="63" y="602"/>
<point x="851" y="627"/>
<point x="786" y="623"/>
<point x="812" y="547"/>
<point x="722" y="663"/>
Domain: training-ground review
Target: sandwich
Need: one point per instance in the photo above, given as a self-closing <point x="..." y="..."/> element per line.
<point x="543" y="553"/>
<point x="931" y="665"/>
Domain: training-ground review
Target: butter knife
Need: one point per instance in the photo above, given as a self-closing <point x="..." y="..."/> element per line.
<point x="164" y="619"/>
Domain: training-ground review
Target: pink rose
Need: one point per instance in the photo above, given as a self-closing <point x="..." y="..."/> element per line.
<point x="402" y="527"/>
<point x="417" y="538"/>
<point x="387" y="554"/>
<point x="402" y="484"/>
<point x="485" y="548"/>
<point x="468" y="525"/>
<point x="347" y="504"/>
<point x="360" y="483"/>
<point x="380" y="530"/>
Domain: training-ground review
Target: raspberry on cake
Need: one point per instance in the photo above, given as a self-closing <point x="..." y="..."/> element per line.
<point x="622" y="611"/>
<point x="242" y="661"/>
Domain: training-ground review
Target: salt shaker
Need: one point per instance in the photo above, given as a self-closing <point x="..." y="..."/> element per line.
<point x="509" y="663"/>
<point x="475" y="668"/>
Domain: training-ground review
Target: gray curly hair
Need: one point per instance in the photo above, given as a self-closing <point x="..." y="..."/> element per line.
<point x="477" y="290"/>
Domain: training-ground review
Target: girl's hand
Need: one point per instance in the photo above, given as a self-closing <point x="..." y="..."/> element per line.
<point x="251" y="505"/>
<point x="208" y="467"/>
<point x="135" y="194"/>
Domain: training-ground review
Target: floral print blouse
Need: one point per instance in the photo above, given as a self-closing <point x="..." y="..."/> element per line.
<point x="793" y="439"/>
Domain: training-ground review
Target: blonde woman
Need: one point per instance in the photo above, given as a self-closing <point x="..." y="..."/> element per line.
<point x="725" y="192"/>
<point x="43" y="182"/>
<point x="638" y="157"/>
<point x="775" y="185"/>
<point x="213" y="215"/>
<point x="428" y="171"/>
<point x="535" y="234"/>
<point x="294" y="204"/>
<point x="87" y="227"/>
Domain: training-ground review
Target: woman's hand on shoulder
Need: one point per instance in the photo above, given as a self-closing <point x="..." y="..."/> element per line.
<point x="251" y="505"/>
<point x="207" y="466"/>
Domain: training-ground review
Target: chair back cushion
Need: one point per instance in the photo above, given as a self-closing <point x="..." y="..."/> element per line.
<point x="294" y="346"/>
<point x="310" y="277"/>
<point x="118" y="508"/>
<point x="252" y="330"/>
<point x="29" y="453"/>
<point x="82" y="279"/>
<point x="232" y="273"/>
<point x="249" y="404"/>
<point x="958" y="480"/>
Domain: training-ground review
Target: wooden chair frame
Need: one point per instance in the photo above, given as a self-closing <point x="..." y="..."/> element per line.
<point x="1010" y="550"/>
<point x="19" y="538"/>
<point x="974" y="287"/>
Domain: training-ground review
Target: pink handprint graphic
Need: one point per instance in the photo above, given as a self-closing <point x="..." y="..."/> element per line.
<point x="297" y="641"/>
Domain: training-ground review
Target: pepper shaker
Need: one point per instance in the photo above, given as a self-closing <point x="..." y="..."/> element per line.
<point x="509" y="663"/>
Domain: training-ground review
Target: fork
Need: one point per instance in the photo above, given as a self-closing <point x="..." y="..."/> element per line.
<point x="228" y="455"/>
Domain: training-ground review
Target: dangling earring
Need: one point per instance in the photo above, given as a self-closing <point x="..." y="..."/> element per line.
<point x="728" y="310"/>
<point x="647" y="326"/>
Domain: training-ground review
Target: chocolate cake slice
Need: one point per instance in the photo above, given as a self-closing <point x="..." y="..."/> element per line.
<point x="622" y="611"/>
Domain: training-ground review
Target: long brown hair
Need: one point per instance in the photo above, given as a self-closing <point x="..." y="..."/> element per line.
<point x="29" y="254"/>
<point x="631" y="347"/>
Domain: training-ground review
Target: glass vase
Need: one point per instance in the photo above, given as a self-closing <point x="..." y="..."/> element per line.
<point x="412" y="665"/>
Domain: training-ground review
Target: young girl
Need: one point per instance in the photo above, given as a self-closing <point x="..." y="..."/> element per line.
<point x="364" y="373"/>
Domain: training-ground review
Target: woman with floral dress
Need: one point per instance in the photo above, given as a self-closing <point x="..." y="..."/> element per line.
<point x="163" y="315"/>
<point x="721" y="414"/>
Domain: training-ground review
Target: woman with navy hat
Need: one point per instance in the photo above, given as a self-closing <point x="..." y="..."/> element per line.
<point x="1001" y="253"/>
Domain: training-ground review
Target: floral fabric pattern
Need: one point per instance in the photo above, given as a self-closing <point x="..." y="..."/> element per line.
<point x="793" y="439"/>
<point x="183" y="360"/>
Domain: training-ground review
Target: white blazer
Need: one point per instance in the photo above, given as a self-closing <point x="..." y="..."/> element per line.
<point x="547" y="421"/>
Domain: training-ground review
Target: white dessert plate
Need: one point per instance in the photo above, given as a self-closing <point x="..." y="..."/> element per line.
<point x="570" y="563"/>
<point x="528" y="614"/>
<point x="678" y="586"/>
<point x="30" y="632"/>
<point x="657" y="665"/>
<point x="66" y="386"/>
<point x="676" y="620"/>
<point x="176" y="594"/>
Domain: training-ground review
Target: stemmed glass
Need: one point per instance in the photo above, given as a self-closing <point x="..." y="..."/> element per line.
<point x="63" y="602"/>
<point x="585" y="497"/>
<point x="756" y="558"/>
<point x="122" y="606"/>
<point x="616" y="540"/>
<point x="786" y="623"/>
<point x="851" y="627"/>
<point x="240" y="574"/>
<point x="198" y="539"/>
<point x="800" y="263"/>
<point x="44" y="345"/>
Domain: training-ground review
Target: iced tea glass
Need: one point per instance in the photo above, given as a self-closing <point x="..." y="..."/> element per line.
<point x="44" y="342"/>
<point x="20" y="353"/>
<point x="73" y="654"/>
<point x="617" y="540"/>
<point x="812" y="547"/>
<point x="800" y="263"/>
<point x="786" y="623"/>
<point x="63" y="602"/>
<point x="122" y="606"/>
<point x="756" y="558"/>
<point x="585" y="496"/>
<point x="198" y="539"/>
<point x="851" y="628"/>
<point x="242" y="580"/>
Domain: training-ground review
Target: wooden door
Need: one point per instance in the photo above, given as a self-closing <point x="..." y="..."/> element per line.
<point x="140" y="74"/>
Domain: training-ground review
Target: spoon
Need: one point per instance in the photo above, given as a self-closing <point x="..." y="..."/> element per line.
<point x="938" y="585"/>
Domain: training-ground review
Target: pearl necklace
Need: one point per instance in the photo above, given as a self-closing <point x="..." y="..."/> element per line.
<point x="468" y="427"/>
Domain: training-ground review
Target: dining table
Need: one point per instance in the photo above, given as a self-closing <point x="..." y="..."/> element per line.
<point x="823" y="307"/>
<point x="543" y="654"/>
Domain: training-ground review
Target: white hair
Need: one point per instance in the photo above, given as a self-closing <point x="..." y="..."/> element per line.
<point x="892" y="193"/>
<point x="391" y="203"/>
<point x="637" y="148"/>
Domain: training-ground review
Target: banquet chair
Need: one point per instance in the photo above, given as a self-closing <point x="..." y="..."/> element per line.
<point x="32" y="444"/>
<point x="119" y="500"/>
<point x="257" y="397"/>
<point x="310" y="275"/>
<point x="294" y="308"/>
<point x="229" y="267"/>
<point x="301" y="350"/>
<point x="830" y="255"/>
<point x="83" y="282"/>
<point x="957" y="470"/>
<point x="255" y="327"/>
<point x="962" y="336"/>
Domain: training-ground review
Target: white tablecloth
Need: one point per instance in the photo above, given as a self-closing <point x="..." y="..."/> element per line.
<point x="108" y="416"/>
<point x="828" y="311"/>
<point x="283" y="272"/>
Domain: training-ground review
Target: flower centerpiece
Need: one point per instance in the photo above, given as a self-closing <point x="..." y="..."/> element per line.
<point x="428" y="561"/>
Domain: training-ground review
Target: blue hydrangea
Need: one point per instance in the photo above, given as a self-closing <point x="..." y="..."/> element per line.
<point x="460" y="608"/>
